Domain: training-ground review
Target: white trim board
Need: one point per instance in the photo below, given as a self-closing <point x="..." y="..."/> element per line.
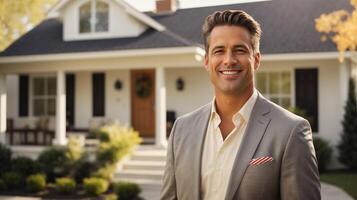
<point x="103" y="54"/>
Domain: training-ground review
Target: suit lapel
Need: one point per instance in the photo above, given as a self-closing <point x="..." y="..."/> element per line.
<point x="198" y="137"/>
<point x="253" y="134"/>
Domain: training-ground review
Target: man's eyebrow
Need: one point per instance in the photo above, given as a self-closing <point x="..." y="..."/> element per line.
<point x="241" y="46"/>
<point x="218" y="47"/>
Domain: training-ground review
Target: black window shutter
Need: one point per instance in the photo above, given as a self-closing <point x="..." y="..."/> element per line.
<point x="306" y="94"/>
<point x="23" y="95"/>
<point x="98" y="86"/>
<point x="70" y="98"/>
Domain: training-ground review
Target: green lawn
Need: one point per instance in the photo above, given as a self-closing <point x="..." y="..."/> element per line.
<point x="345" y="180"/>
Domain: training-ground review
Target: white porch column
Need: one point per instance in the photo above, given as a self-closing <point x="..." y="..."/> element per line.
<point x="2" y="108"/>
<point x="160" y="107"/>
<point x="60" y="135"/>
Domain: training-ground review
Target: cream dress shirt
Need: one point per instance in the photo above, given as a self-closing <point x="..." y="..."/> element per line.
<point x="218" y="154"/>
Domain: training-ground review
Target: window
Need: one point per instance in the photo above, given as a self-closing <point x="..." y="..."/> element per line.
<point x="276" y="86"/>
<point x="93" y="17"/>
<point x="44" y="96"/>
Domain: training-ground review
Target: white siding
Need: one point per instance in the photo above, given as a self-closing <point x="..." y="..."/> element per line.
<point x="197" y="90"/>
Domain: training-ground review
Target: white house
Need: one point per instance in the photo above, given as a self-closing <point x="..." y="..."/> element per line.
<point x="97" y="60"/>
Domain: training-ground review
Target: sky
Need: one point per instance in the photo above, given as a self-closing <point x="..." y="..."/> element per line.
<point x="147" y="5"/>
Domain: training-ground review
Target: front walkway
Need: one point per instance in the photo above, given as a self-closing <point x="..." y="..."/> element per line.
<point x="329" y="192"/>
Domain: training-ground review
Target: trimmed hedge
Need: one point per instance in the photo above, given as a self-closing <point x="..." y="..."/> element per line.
<point x="323" y="153"/>
<point x="12" y="180"/>
<point x="95" y="186"/>
<point x="65" y="185"/>
<point x="36" y="183"/>
<point x="126" y="190"/>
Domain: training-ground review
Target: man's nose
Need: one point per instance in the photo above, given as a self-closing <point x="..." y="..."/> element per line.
<point x="229" y="59"/>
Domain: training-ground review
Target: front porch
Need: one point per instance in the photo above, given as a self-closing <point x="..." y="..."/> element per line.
<point x="82" y="98"/>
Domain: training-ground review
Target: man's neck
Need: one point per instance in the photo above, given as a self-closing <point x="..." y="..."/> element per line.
<point x="228" y="105"/>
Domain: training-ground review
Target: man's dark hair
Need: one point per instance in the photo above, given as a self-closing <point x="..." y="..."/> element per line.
<point x="233" y="18"/>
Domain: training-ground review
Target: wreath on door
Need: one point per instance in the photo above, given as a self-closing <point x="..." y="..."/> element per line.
<point x="143" y="86"/>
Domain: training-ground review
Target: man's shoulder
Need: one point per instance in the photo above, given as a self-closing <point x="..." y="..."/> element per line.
<point x="278" y="113"/>
<point x="198" y="113"/>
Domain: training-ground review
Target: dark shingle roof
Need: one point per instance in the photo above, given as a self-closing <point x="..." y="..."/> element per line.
<point x="288" y="27"/>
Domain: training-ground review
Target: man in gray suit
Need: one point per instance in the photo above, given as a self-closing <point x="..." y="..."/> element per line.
<point x="241" y="145"/>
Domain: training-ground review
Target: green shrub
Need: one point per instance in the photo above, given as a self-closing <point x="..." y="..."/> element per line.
<point x="348" y="143"/>
<point x="95" y="186"/>
<point x="110" y="153"/>
<point x="25" y="166"/>
<point x="54" y="163"/>
<point x="65" y="185"/>
<point x="74" y="150"/>
<point x="83" y="169"/>
<point x="111" y="197"/>
<point x="36" y="183"/>
<point x="12" y="180"/>
<point x="106" y="172"/>
<point x="126" y="190"/>
<point x="117" y="141"/>
<point x="323" y="153"/>
<point x="5" y="159"/>
<point x="2" y="185"/>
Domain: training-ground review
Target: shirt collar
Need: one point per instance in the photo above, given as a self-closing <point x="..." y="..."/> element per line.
<point x="244" y="112"/>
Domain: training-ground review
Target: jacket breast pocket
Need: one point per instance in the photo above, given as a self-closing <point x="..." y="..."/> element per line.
<point x="260" y="182"/>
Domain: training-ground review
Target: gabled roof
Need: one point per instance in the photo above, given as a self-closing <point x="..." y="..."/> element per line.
<point x="288" y="27"/>
<point x="129" y="9"/>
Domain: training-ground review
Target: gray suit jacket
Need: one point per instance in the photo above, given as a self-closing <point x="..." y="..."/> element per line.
<point x="271" y="131"/>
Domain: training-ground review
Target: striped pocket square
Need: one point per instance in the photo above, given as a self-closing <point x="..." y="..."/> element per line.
<point x="261" y="160"/>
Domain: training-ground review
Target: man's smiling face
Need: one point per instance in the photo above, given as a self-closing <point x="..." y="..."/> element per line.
<point x="230" y="60"/>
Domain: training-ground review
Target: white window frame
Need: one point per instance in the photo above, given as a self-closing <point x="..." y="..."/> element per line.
<point x="93" y="8"/>
<point x="280" y="95"/>
<point x="46" y="96"/>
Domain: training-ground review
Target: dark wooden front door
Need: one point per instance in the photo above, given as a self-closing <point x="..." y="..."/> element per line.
<point x="306" y="94"/>
<point x="143" y="102"/>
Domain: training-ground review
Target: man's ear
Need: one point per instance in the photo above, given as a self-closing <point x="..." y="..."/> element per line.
<point x="257" y="58"/>
<point x="206" y="62"/>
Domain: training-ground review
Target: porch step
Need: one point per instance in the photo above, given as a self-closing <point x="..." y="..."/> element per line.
<point x="149" y="155"/>
<point x="140" y="174"/>
<point x="144" y="165"/>
<point x="145" y="168"/>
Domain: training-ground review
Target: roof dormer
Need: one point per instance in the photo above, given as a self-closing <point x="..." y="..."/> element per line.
<point x="101" y="19"/>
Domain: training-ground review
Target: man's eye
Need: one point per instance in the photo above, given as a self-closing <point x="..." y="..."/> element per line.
<point x="240" y="50"/>
<point x="217" y="51"/>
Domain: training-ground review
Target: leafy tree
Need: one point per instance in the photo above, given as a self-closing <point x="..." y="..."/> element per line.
<point x="348" y="144"/>
<point x="341" y="27"/>
<point x="17" y="16"/>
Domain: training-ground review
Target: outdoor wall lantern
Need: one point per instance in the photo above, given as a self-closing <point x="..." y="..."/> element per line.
<point x="180" y="84"/>
<point x="118" y="85"/>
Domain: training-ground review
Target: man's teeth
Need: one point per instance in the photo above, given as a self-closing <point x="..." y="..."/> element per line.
<point x="230" y="72"/>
